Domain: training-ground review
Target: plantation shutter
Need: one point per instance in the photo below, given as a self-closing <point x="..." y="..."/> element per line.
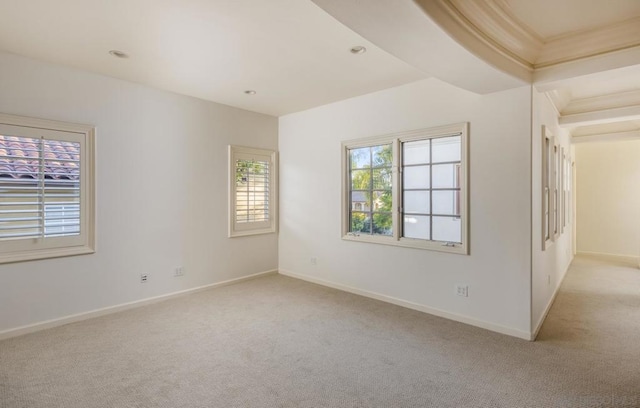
<point x="252" y="190"/>
<point x="252" y="195"/>
<point x="40" y="185"/>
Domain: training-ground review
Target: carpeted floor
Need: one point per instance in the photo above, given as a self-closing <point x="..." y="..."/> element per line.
<point x="281" y="342"/>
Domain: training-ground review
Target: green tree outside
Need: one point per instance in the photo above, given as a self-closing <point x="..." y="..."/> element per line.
<point x="375" y="183"/>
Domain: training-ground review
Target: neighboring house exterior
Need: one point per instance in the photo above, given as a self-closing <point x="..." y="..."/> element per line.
<point x="359" y="201"/>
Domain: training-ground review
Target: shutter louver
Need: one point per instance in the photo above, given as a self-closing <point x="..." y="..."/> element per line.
<point x="252" y="191"/>
<point x="253" y="178"/>
<point x="39" y="188"/>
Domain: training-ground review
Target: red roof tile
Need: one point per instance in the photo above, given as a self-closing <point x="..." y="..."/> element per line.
<point x="19" y="158"/>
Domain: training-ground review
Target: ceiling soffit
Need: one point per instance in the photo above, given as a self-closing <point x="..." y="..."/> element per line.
<point x="404" y="29"/>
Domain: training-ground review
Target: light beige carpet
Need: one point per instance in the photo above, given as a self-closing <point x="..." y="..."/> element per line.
<point x="281" y="342"/>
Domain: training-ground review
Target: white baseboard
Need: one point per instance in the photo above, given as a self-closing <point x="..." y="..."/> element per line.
<point x="543" y="317"/>
<point x="415" y="306"/>
<point x="630" y="259"/>
<point x="19" y="331"/>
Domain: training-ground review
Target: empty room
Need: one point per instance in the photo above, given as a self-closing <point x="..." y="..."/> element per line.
<point x="319" y="203"/>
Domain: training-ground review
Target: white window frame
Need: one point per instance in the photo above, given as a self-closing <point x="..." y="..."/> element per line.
<point x="237" y="229"/>
<point x="396" y="141"/>
<point x="547" y="187"/>
<point x="568" y="186"/>
<point x="557" y="210"/>
<point x="554" y="177"/>
<point x="18" y="250"/>
<point x="563" y="184"/>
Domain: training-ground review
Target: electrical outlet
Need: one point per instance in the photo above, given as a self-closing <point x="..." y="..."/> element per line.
<point x="314" y="260"/>
<point x="462" y="290"/>
<point x="179" y="271"/>
<point x="144" y="278"/>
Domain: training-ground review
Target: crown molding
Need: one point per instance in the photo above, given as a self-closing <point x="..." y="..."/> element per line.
<point x="589" y="43"/>
<point x="559" y="98"/>
<point x="601" y="116"/>
<point x="494" y="22"/>
<point x="607" y="137"/>
<point x="602" y="102"/>
<point x="491" y="31"/>
<point x="457" y="25"/>
<point x="596" y="68"/>
<point x="602" y="128"/>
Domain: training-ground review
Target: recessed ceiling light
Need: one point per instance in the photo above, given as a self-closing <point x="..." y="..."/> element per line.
<point x="118" y="54"/>
<point x="250" y="92"/>
<point x="358" y="49"/>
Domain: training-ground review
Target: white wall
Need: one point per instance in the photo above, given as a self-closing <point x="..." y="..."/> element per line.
<point x="550" y="265"/>
<point x="498" y="268"/>
<point x="161" y="187"/>
<point x="608" y="202"/>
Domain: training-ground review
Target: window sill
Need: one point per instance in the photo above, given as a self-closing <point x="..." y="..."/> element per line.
<point x="236" y="234"/>
<point x="32" y="255"/>
<point x="408" y="243"/>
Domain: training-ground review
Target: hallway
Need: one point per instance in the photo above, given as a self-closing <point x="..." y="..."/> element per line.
<point x="596" y="315"/>
<point x="598" y="305"/>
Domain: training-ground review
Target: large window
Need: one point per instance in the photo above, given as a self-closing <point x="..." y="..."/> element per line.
<point x="252" y="191"/>
<point x="46" y="189"/>
<point x="408" y="189"/>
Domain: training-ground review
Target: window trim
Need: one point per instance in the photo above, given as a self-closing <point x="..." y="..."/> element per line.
<point x="556" y="192"/>
<point x="548" y="182"/>
<point x="43" y="248"/>
<point x="555" y="174"/>
<point x="264" y="227"/>
<point x="561" y="163"/>
<point x="396" y="140"/>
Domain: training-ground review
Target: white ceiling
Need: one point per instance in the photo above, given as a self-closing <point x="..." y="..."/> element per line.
<point x="291" y="52"/>
<point x="295" y="54"/>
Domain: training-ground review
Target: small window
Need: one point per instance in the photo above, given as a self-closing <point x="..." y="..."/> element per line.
<point x="568" y="185"/>
<point x="556" y="191"/>
<point x="408" y="189"/>
<point x="563" y="207"/>
<point x="46" y="189"/>
<point x="252" y="191"/>
<point x="547" y="185"/>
